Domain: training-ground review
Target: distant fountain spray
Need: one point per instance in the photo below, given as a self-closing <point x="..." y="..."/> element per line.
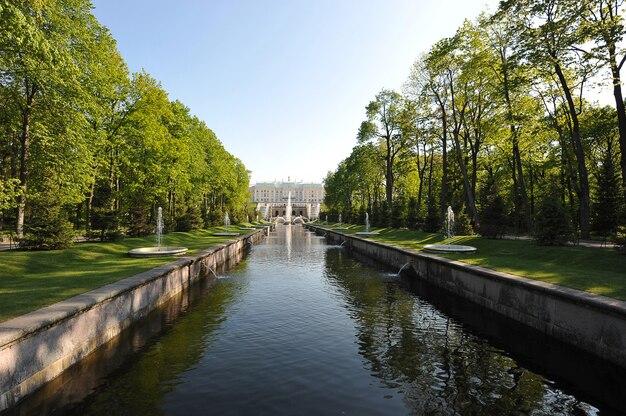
<point x="226" y="221"/>
<point x="449" y="223"/>
<point x="159" y="227"/>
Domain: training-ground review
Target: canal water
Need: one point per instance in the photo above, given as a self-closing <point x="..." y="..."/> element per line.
<point x="300" y="327"/>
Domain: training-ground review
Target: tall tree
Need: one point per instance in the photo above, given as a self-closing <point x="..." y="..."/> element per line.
<point x="383" y="126"/>
<point x="550" y="33"/>
<point x="604" y="24"/>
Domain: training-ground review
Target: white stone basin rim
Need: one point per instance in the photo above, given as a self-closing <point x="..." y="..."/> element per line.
<point x="157" y="251"/>
<point x="449" y="248"/>
<point x="366" y="233"/>
<point x="226" y="234"/>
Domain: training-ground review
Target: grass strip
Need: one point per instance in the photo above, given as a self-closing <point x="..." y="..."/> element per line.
<point x="30" y="280"/>
<point x="595" y="270"/>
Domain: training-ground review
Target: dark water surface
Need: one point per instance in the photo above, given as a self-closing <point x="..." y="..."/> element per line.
<point x="301" y="327"/>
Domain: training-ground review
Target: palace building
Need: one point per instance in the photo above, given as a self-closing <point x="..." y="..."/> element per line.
<point x="272" y="199"/>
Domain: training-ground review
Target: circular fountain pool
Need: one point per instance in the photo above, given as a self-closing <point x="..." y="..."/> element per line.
<point x="449" y="248"/>
<point x="157" y="251"/>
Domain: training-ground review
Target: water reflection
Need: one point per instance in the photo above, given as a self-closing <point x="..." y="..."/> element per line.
<point x="442" y="367"/>
<point x="300" y="327"/>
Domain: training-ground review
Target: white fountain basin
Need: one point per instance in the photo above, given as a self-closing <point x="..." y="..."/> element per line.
<point x="157" y="251"/>
<point x="449" y="248"/>
<point x="366" y="233"/>
<point x="224" y="234"/>
<point x="247" y="228"/>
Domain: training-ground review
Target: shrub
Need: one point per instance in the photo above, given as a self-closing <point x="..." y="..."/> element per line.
<point x="432" y="224"/>
<point x="48" y="230"/>
<point x="462" y="224"/>
<point x="552" y="222"/>
<point x="493" y="219"/>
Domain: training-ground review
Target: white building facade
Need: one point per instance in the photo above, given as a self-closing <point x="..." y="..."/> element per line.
<point x="272" y="199"/>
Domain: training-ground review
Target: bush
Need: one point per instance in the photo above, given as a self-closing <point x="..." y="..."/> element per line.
<point x="620" y="239"/>
<point x="190" y="220"/>
<point x="399" y="214"/>
<point x="552" y="222"/>
<point x="462" y="224"/>
<point x="49" y="230"/>
<point x="493" y="219"/>
<point x="432" y="224"/>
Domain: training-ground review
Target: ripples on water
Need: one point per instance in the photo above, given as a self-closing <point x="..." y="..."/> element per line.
<point x="300" y="327"/>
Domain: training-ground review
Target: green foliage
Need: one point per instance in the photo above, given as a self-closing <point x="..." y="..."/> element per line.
<point x="114" y="147"/>
<point x="494" y="218"/>
<point x="552" y="223"/>
<point x="9" y="192"/>
<point x="609" y="203"/>
<point x="399" y="213"/>
<point x="462" y="224"/>
<point x="413" y="216"/>
<point x="50" y="229"/>
<point x="433" y="218"/>
<point x="190" y="220"/>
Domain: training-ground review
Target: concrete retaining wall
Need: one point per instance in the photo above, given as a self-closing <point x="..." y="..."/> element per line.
<point x="39" y="346"/>
<point x="594" y="323"/>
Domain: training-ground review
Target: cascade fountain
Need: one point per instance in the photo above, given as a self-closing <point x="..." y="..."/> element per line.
<point x="449" y="233"/>
<point x="288" y="209"/>
<point x="367" y="232"/>
<point x="226" y="226"/>
<point x="158" y="250"/>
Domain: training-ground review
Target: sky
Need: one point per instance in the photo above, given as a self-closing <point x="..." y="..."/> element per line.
<point x="282" y="83"/>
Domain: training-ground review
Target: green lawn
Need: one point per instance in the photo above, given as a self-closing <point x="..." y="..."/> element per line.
<point x="595" y="270"/>
<point x="30" y="280"/>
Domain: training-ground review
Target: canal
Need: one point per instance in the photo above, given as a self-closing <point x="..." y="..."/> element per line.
<point x="302" y="327"/>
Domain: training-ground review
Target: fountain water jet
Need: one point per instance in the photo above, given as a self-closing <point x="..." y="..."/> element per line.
<point x="288" y="209"/>
<point x="158" y="250"/>
<point x="340" y="227"/>
<point x="367" y="232"/>
<point x="226" y="225"/>
<point x="449" y="248"/>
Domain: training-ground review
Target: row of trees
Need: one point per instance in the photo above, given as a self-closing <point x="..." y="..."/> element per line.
<point x="84" y="144"/>
<point x="498" y="119"/>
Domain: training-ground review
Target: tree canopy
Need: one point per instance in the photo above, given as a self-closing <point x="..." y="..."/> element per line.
<point x="84" y="145"/>
<point x="498" y="118"/>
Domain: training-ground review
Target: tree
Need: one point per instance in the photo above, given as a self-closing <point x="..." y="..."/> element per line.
<point x="549" y="31"/>
<point x="383" y="127"/>
<point x="604" y="24"/>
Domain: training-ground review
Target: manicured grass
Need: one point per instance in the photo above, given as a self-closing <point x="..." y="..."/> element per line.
<point x="595" y="270"/>
<point x="30" y="280"/>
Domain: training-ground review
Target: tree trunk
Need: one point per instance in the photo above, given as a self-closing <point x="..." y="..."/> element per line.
<point x="621" y="111"/>
<point x="443" y="200"/>
<point x="583" y="176"/>
<point x="31" y="90"/>
<point x="469" y="196"/>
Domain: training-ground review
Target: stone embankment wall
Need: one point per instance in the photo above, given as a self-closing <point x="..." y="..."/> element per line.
<point x="593" y="323"/>
<point x="39" y="346"/>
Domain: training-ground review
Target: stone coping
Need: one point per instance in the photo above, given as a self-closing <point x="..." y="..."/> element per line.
<point x="14" y="329"/>
<point x="601" y="302"/>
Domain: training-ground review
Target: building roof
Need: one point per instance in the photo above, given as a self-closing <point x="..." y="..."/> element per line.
<point x="277" y="184"/>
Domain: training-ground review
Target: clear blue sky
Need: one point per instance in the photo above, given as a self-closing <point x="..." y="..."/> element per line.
<point x="283" y="83"/>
